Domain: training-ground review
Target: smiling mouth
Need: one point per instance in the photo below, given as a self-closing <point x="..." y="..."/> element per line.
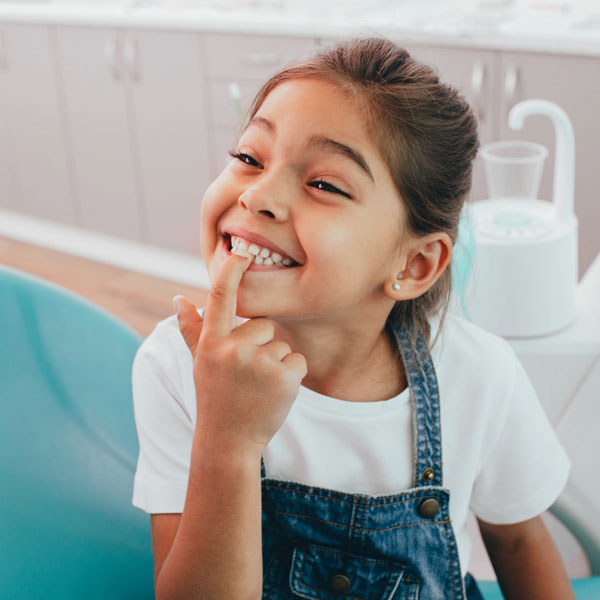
<point x="260" y="255"/>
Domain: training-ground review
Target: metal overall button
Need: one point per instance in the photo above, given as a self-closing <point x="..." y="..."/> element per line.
<point x="427" y="474"/>
<point x="339" y="584"/>
<point x="428" y="508"/>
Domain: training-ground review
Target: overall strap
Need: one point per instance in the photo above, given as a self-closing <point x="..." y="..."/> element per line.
<point x="425" y="399"/>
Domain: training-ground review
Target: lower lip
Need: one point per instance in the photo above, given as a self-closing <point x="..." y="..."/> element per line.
<point x="225" y="252"/>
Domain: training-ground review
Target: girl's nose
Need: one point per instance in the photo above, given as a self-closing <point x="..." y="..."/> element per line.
<point x="261" y="200"/>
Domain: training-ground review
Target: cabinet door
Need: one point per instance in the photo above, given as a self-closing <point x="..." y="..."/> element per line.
<point x="474" y="73"/>
<point x="247" y="61"/>
<point x="227" y="116"/>
<point x="99" y="129"/>
<point x="572" y="82"/>
<point x="9" y="198"/>
<point x="166" y="88"/>
<point x="33" y="125"/>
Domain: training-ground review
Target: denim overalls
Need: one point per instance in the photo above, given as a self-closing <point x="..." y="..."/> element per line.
<point x="325" y="544"/>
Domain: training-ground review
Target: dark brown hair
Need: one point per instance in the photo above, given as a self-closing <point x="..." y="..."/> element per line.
<point x="427" y="136"/>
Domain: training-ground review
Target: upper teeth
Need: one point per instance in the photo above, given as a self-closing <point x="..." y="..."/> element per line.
<point x="262" y="255"/>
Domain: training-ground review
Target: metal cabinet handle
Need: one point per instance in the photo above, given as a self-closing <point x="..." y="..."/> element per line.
<point x="111" y="54"/>
<point x="235" y="94"/>
<point x="511" y="83"/>
<point x="256" y="59"/>
<point x="478" y="75"/>
<point x="131" y="54"/>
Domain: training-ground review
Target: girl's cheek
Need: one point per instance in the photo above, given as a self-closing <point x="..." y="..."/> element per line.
<point x="208" y="220"/>
<point x="219" y="197"/>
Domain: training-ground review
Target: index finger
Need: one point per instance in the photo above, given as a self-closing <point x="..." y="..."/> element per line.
<point x="219" y="316"/>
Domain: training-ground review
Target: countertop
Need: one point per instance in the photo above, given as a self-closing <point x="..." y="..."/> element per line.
<point x="444" y="24"/>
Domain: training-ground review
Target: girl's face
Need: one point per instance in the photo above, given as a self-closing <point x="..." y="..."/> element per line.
<point x="307" y="183"/>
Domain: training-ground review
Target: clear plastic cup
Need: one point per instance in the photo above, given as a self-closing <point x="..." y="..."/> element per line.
<point x="513" y="169"/>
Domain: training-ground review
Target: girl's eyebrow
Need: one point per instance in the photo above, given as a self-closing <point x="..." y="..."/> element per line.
<point x="325" y="143"/>
<point x="262" y="122"/>
<point x="321" y="142"/>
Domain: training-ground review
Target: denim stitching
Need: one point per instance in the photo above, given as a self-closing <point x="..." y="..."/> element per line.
<point x="312" y="518"/>
<point x="377" y="561"/>
<point x="361" y="529"/>
<point x="355" y="506"/>
<point x="408" y="525"/>
<point x="452" y="574"/>
<point x="304" y="517"/>
<point x="376" y="500"/>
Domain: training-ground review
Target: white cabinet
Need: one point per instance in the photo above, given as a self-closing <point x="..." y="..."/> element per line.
<point x="100" y="130"/>
<point x="137" y="124"/>
<point x="168" y="109"/>
<point x="246" y="61"/>
<point x="34" y="174"/>
<point x="8" y="188"/>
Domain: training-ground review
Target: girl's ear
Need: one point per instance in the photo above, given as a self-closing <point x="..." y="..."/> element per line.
<point x="420" y="267"/>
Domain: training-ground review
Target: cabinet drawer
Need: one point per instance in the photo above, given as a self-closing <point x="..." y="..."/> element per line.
<point x="252" y="56"/>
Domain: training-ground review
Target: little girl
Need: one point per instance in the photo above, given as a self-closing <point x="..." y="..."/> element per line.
<point x="323" y="427"/>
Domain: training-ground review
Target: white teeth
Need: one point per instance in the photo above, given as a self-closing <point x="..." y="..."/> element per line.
<point x="239" y="252"/>
<point x="260" y="255"/>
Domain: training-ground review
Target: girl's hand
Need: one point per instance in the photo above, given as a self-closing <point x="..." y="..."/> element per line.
<point x="246" y="381"/>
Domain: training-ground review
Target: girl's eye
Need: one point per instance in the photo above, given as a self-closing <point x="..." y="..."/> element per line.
<point x="327" y="187"/>
<point x="245" y="158"/>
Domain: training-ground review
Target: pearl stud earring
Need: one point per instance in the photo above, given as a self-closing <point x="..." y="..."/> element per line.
<point x="396" y="286"/>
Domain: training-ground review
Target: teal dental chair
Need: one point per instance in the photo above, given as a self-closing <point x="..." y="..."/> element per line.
<point x="68" y="449"/>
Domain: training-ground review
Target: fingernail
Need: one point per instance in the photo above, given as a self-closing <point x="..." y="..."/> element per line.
<point x="176" y="303"/>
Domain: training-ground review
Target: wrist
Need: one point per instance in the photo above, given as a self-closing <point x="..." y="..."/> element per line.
<point x="225" y="451"/>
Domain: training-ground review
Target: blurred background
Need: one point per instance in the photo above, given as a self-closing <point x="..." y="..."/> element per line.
<point x="116" y="115"/>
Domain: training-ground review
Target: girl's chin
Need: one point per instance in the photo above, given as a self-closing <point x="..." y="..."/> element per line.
<point x="250" y="310"/>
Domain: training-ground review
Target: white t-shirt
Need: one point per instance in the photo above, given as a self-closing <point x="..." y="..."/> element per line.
<point x="501" y="458"/>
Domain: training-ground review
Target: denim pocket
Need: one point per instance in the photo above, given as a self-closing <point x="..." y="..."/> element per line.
<point x="319" y="573"/>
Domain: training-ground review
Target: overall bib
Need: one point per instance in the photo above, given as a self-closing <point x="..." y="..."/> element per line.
<point x="322" y="544"/>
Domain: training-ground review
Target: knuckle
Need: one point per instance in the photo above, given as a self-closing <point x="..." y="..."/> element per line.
<point x="265" y="326"/>
<point x="269" y="326"/>
<point x="218" y="290"/>
<point x="240" y="352"/>
<point x="264" y="362"/>
<point x="298" y="364"/>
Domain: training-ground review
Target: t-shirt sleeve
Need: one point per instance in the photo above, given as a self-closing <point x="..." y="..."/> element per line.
<point x="525" y="468"/>
<point x="164" y="423"/>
